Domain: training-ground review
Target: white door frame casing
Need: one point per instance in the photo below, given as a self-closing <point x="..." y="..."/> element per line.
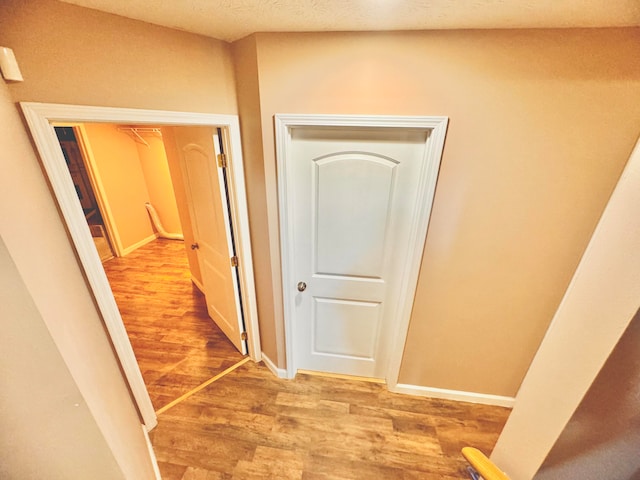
<point x="39" y="117"/>
<point x="436" y="128"/>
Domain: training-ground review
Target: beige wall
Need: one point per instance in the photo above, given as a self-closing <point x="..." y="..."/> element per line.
<point x="37" y="241"/>
<point x="123" y="185"/>
<point x="265" y="265"/>
<point x="602" y="439"/>
<point x="153" y="160"/>
<point x="600" y="303"/>
<point x="541" y="125"/>
<point x="75" y="55"/>
<point x="47" y="428"/>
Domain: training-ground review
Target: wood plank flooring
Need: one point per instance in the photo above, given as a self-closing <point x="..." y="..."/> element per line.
<point x="252" y="425"/>
<point x="177" y="345"/>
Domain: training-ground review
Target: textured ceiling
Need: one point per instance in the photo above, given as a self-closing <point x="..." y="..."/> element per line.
<point x="233" y="19"/>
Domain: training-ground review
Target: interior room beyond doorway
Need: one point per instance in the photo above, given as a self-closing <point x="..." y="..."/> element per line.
<point x="176" y="344"/>
<point x="133" y="199"/>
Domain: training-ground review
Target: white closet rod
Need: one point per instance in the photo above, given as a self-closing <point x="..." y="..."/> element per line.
<point x="137" y="132"/>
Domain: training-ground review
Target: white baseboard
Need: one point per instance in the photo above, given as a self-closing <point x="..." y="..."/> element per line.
<point x="197" y="283"/>
<point x="460" y="396"/>
<point x="141" y="243"/>
<point x="278" y="372"/>
<point x="152" y="454"/>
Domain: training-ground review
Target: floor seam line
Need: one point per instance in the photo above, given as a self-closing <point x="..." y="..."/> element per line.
<point x="201" y="386"/>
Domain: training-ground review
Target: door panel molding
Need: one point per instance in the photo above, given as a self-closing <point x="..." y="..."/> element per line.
<point x="39" y="117"/>
<point x="435" y="128"/>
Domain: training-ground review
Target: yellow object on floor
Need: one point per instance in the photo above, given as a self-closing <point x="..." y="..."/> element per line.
<point x="485" y="467"/>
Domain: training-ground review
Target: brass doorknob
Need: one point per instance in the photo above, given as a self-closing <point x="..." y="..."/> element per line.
<point x="195" y="246"/>
<point x="302" y="286"/>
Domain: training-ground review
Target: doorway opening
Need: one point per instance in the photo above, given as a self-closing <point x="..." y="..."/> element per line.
<point x="41" y="117"/>
<point x="117" y="171"/>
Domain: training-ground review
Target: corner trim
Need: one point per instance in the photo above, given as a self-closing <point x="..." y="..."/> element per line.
<point x="457" y="395"/>
<point x="278" y="372"/>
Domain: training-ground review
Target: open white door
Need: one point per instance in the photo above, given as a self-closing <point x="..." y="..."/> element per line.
<point x="205" y="186"/>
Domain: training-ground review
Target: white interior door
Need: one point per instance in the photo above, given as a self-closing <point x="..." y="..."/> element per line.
<point x="208" y="208"/>
<point x="353" y="201"/>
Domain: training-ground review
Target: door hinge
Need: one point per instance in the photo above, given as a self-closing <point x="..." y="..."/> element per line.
<point x="222" y="160"/>
<point x="234" y="261"/>
<point x="243" y="336"/>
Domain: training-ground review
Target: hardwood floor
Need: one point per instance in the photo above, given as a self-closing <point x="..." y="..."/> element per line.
<point x="250" y="424"/>
<point x="176" y="343"/>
